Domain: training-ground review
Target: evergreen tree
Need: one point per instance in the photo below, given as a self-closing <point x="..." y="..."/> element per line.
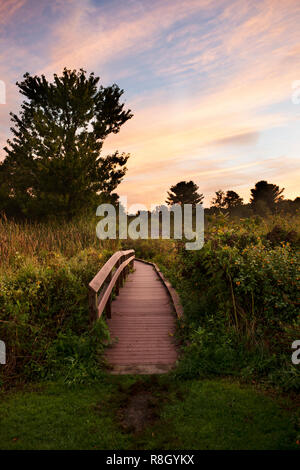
<point x="184" y="192"/>
<point x="265" y="196"/>
<point x="53" y="163"/>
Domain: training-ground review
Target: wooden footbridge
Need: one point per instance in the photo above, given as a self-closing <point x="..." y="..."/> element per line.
<point x="141" y="319"/>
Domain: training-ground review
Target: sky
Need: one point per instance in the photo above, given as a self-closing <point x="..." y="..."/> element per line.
<point x="210" y="84"/>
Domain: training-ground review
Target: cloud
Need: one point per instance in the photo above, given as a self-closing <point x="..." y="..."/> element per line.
<point x="144" y="188"/>
<point x="245" y="138"/>
<point x="93" y="34"/>
<point x="8" y="10"/>
<point x="205" y="81"/>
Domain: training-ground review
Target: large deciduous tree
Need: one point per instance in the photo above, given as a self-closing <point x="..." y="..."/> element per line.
<point x="228" y="200"/>
<point x="219" y="200"/>
<point x="54" y="163"/>
<point x="232" y="200"/>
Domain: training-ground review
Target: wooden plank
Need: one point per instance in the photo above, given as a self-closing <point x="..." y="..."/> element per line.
<point x="143" y="322"/>
<point x="172" y="292"/>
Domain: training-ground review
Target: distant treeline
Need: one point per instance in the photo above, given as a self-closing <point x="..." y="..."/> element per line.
<point x="265" y="199"/>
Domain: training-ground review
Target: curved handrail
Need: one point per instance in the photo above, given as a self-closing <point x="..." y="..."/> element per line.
<point x="111" y="275"/>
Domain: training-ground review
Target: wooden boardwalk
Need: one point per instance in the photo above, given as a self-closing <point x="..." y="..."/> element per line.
<point x="142" y="319"/>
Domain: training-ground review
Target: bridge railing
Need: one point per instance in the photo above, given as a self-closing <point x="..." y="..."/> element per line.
<point x="110" y="276"/>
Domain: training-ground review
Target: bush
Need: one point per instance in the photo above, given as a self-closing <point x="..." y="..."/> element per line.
<point x="43" y="309"/>
<point x="77" y="358"/>
<point x="278" y="235"/>
<point x="240" y="301"/>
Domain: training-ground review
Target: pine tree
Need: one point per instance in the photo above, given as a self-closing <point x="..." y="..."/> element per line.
<point x="265" y="196"/>
<point x="184" y="192"/>
<point x="54" y="163"/>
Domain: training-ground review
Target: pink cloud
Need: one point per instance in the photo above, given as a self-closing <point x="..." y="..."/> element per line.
<point x="8" y="9"/>
<point x="248" y="54"/>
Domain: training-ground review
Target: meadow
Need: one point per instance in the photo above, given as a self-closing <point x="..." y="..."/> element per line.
<point x="241" y="315"/>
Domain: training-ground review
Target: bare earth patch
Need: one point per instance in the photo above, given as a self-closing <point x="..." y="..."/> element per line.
<point x="139" y="409"/>
<point x="139" y="412"/>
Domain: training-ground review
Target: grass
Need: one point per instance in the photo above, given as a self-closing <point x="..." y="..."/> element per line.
<point x="195" y="414"/>
<point x="36" y="239"/>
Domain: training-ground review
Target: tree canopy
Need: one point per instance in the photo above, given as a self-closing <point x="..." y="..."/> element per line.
<point x="219" y="200"/>
<point x="184" y="192"/>
<point x="232" y="200"/>
<point x="54" y="163"/>
<point x="228" y="200"/>
<point x="265" y="196"/>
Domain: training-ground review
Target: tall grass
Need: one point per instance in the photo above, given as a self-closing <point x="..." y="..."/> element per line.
<point x="37" y="239"/>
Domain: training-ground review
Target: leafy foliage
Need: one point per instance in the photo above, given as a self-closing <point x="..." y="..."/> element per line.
<point x="228" y="201"/>
<point x="44" y="319"/>
<point x="240" y="301"/>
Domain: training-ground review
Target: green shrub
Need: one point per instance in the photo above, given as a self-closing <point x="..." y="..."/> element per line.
<point x="44" y="306"/>
<point x="77" y="358"/>
<point x="240" y="296"/>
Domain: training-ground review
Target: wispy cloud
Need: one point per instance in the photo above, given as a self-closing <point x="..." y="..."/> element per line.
<point x="245" y="138"/>
<point x="8" y="8"/>
<point x="207" y="82"/>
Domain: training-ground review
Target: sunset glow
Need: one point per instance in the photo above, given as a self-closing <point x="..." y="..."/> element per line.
<point x="209" y="84"/>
